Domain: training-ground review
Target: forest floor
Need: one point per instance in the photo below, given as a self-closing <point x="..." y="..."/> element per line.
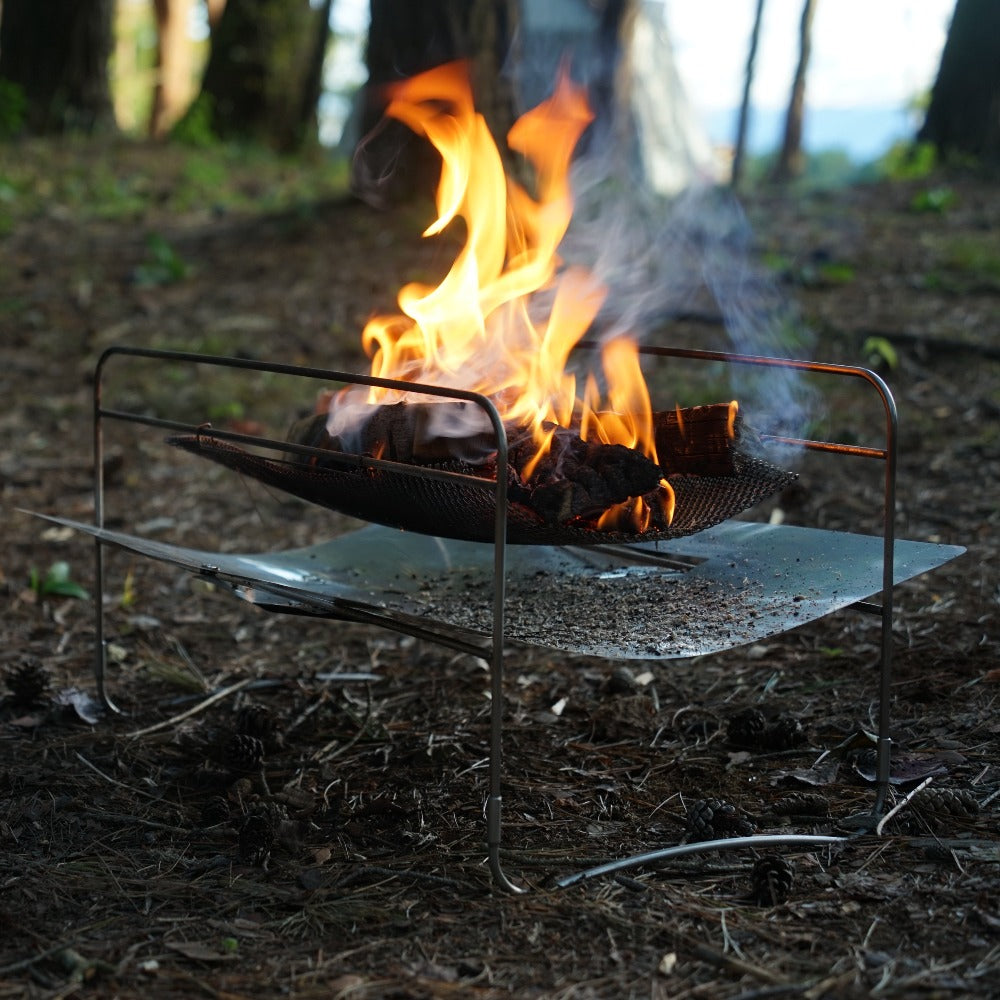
<point x="135" y="859"/>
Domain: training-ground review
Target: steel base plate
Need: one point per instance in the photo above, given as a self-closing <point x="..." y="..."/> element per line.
<point x="730" y="585"/>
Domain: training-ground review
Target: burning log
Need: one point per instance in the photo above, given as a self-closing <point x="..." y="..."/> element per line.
<point x="575" y="479"/>
<point x="700" y="440"/>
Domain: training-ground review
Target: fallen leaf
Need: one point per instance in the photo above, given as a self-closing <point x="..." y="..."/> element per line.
<point x="80" y="704"/>
<point x="199" y="951"/>
<point x="814" y="777"/>
<point x="27" y="721"/>
<point x="903" y="770"/>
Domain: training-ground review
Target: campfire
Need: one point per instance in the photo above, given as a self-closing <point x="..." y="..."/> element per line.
<point x="589" y="458"/>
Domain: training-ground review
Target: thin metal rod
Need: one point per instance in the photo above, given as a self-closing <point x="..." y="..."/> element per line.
<point x="494" y="822"/>
<point x="701" y="847"/>
<point x="888" y="581"/>
<point x="341" y="458"/>
<point x="100" y="643"/>
<point x="830" y="446"/>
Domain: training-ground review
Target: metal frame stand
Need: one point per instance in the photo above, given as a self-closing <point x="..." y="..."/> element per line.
<point x="886" y="454"/>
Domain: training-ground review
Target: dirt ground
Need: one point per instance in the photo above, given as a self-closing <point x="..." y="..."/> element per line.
<point x="138" y="858"/>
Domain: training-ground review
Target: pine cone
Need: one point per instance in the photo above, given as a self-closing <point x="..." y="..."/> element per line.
<point x="746" y="729"/>
<point x="942" y="802"/>
<point x="785" y="733"/>
<point x="215" y="811"/>
<point x="802" y="804"/>
<point x="244" y="754"/>
<point x="259" y="831"/>
<point x="770" y="880"/>
<point x="713" y="819"/>
<point x="259" y="721"/>
<point x="257" y="834"/>
<point x="28" y="683"/>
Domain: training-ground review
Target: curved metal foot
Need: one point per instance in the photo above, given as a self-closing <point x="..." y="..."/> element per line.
<point x="100" y="662"/>
<point x="493" y="844"/>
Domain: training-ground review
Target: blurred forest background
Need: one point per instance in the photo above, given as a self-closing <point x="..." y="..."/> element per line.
<point x="273" y="75"/>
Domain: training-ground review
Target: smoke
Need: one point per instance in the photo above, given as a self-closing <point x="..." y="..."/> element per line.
<point x="684" y="272"/>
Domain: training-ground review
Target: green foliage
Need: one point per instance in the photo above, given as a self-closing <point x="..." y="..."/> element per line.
<point x="905" y="161"/>
<point x="835" y="272"/>
<point x="810" y="273"/>
<point x="56" y="582"/>
<point x="8" y="196"/>
<point x="824" y="170"/>
<point x="164" y="266"/>
<point x="828" y="168"/>
<point x="229" y="410"/>
<point x="880" y="353"/>
<point x="935" y="199"/>
<point x="13" y="108"/>
<point x="86" y="179"/>
<point x="975" y="256"/>
<point x="195" y="126"/>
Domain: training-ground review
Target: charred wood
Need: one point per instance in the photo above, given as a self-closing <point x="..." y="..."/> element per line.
<point x="575" y="479"/>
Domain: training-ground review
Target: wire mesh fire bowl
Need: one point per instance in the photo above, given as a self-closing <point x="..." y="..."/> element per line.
<point x="462" y="508"/>
<point x="704" y="583"/>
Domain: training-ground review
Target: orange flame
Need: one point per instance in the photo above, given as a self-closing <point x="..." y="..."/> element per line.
<point x="477" y="329"/>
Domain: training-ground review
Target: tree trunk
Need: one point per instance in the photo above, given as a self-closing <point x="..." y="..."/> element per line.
<point x="964" y="113"/>
<point x="405" y="38"/>
<point x="173" y="88"/>
<point x="264" y="73"/>
<point x="790" y="161"/>
<point x="740" y="146"/>
<point x="214" y="9"/>
<point x="57" y="52"/>
<point x="611" y="87"/>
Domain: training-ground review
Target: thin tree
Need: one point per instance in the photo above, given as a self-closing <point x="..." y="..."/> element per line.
<point x="57" y="52"/>
<point x="964" y="113"/>
<point x="214" y="9"/>
<point x="790" y="160"/>
<point x="173" y="88"/>
<point x="743" y="124"/>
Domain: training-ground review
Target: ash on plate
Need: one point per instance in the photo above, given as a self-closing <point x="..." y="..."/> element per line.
<point x="635" y="612"/>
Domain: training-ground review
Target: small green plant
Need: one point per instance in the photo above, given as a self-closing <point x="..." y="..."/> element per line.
<point x="231" y="409"/>
<point x="836" y="273"/>
<point x="13" y="108"/>
<point x="906" y="161"/>
<point x="974" y="256"/>
<point x="56" y="582"/>
<point x="935" y="199"/>
<point x="129" y="595"/>
<point x="164" y="266"/>
<point x="879" y="353"/>
<point x="195" y="127"/>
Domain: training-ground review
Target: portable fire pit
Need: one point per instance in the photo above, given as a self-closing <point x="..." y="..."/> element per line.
<point x="704" y="584"/>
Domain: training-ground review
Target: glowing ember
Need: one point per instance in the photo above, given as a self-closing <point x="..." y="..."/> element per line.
<point x="479" y="329"/>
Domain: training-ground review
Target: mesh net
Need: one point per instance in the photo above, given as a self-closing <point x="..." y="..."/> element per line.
<point x="457" y="508"/>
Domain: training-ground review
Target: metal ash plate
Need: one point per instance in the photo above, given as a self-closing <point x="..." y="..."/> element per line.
<point x="743" y="583"/>
<point x="631" y="612"/>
